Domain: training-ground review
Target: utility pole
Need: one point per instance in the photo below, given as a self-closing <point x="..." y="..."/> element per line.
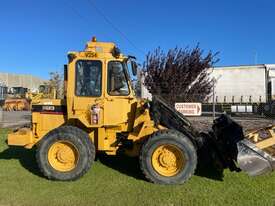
<point x="215" y="80"/>
<point x="214" y="102"/>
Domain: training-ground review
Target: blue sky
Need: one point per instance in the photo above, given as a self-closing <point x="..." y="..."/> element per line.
<point x="36" y="35"/>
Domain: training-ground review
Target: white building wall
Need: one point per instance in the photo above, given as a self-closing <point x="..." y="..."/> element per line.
<point x="144" y="91"/>
<point x="271" y="75"/>
<point x="21" y="80"/>
<point x="240" y="84"/>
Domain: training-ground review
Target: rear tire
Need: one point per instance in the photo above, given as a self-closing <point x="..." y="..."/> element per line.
<point x="168" y="157"/>
<point x="65" y="153"/>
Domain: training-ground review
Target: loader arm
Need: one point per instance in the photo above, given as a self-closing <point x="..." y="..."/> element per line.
<point x="219" y="145"/>
<point x="165" y="115"/>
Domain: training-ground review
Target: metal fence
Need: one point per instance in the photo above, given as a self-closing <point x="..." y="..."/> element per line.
<point x="3" y="92"/>
<point x="14" y="119"/>
<point x="250" y="115"/>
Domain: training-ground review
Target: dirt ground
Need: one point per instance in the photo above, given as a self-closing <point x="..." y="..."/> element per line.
<point x="248" y="123"/>
<point x="14" y="119"/>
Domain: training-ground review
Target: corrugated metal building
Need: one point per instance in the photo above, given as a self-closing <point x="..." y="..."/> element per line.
<point x="21" y="80"/>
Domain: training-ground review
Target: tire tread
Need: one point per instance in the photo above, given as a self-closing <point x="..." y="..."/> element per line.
<point x="159" y="135"/>
<point x="77" y="133"/>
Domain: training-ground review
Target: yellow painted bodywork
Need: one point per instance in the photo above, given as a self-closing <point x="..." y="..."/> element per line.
<point x="42" y="123"/>
<point x="36" y="97"/>
<point x="168" y="160"/>
<point x="22" y="137"/>
<point x="18" y="104"/>
<point x="264" y="138"/>
<point x="118" y="114"/>
<point x="63" y="156"/>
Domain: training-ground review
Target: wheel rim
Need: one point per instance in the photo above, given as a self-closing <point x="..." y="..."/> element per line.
<point x="168" y="160"/>
<point x="63" y="156"/>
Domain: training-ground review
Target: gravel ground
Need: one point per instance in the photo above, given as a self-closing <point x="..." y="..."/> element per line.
<point x="14" y="119"/>
<point x="248" y="123"/>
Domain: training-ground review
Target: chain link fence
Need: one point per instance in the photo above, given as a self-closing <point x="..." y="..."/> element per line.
<point x="251" y="115"/>
<point x="14" y="119"/>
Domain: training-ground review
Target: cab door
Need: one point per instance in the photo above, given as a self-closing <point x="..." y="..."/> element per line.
<point x="88" y="89"/>
<point x="119" y="104"/>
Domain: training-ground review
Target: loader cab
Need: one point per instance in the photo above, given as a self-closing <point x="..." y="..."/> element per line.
<point x="18" y="92"/>
<point x="98" y="77"/>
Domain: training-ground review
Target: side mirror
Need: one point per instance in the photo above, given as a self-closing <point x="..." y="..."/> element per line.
<point x="134" y="67"/>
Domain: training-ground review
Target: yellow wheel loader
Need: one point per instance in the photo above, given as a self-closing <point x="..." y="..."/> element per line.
<point x="16" y="100"/>
<point x="45" y="91"/>
<point x="100" y="113"/>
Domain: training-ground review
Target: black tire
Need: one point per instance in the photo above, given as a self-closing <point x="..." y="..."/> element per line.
<point x="170" y="137"/>
<point x="80" y="141"/>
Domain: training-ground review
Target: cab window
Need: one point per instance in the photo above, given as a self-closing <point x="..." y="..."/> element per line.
<point x="117" y="81"/>
<point x="88" y="78"/>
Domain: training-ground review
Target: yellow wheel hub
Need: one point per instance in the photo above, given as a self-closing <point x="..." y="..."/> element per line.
<point x="63" y="156"/>
<point x="168" y="160"/>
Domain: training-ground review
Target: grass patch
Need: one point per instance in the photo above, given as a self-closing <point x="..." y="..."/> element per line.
<point x="118" y="181"/>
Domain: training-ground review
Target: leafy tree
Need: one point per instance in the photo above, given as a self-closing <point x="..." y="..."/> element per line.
<point x="56" y="82"/>
<point x="137" y="85"/>
<point x="180" y="75"/>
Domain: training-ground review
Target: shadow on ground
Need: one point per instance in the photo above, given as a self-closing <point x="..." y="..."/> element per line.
<point x="121" y="163"/>
<point x="209" y="171"/>
<point x="130" y="166"/>
<point x="25" y="157"/>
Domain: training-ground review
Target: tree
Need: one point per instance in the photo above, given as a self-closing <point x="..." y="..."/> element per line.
<point x="56" y="82"/>
<point x="180" y="75"/>
<point x="137" y="85"/>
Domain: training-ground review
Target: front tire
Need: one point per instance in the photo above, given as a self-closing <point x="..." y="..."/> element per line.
<point x="168" y="157"/>
<point x="66" y="153"/>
